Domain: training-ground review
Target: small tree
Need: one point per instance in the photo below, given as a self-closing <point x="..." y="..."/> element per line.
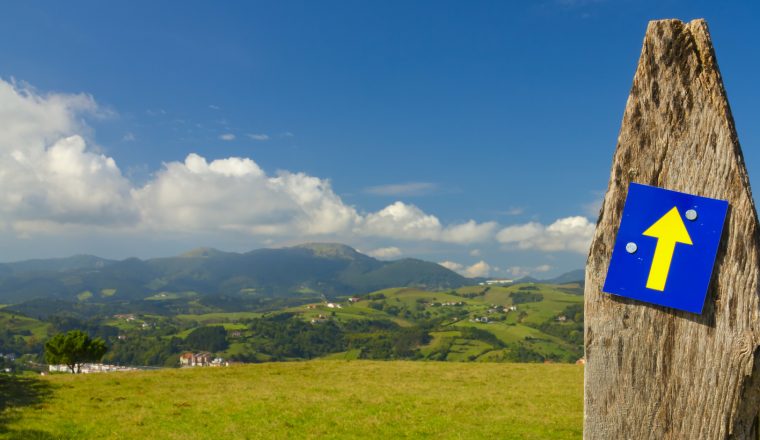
<point x="73" y="349"/>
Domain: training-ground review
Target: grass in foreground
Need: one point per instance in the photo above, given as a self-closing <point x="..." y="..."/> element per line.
<point x="317" y="399"/>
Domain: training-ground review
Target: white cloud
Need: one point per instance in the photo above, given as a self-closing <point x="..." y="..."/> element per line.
<point x="402" y="189"/>
<point x="213" y="107"/>
<point x="542" y="268"/>
<point x="479" y="269"/>
<point x="523" y="271"/>
<point x="566" y="234"/>
<point x="469" y="232"/>
<point x="234" y="194"/>
<point x="385" y="253"/>
<point x="259" y="137"/>
<point x="405" y="221"/>
<point x="400" y="220"/>
<point x="46" y="173"/>
<point x="227" y="137"/>
<point x="456" y="267"/>
<point x="475" y="253"/>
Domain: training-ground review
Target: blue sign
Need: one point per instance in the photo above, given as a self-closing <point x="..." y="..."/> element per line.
<point x="665" y="248"/>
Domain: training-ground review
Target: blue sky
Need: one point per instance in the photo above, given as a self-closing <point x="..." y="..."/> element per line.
<point x="496" y="115"/>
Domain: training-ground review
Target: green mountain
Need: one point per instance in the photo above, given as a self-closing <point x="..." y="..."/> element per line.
<point x="574" y="276"/>
<point x="317" y="268"/>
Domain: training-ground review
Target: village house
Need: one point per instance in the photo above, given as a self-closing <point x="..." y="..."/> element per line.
<point x="125" y="316"/>
<point x="236" y="334"/>
<point x="189" y="359"/>
<point x="354" y="299"/>
<point x="334" y="306"/>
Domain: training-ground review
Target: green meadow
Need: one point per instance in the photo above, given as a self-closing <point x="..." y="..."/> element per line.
<point x="315" y="399"/>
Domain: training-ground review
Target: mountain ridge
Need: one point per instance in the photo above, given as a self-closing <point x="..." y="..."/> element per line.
<point x="326" y="268"/>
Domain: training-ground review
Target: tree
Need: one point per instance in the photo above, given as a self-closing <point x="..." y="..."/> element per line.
<point x="212" y="338"/>
<point x="73" y="349"/>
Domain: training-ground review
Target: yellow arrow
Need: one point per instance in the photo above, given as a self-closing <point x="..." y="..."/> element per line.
<point x="668" y="231"/>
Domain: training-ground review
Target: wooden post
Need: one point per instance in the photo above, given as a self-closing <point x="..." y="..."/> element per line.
<point x="653" y="372"/>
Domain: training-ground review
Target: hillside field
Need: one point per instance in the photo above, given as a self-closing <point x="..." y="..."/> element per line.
<point x="315" y="399"/>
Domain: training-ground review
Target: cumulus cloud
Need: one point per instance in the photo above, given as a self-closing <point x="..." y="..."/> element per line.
<point x="451" y="265"/>
<point x="469" y="232"/>
<point x="406" y="221"/>
<point x="46" y="172"/>
<point x="523" y="271"/>
<point x="479" y="269"/>
<point x="235" y="194"/>
<point x="385" y="253"/>
<point x="227" y="137"/>
<point x="566" y="234"/>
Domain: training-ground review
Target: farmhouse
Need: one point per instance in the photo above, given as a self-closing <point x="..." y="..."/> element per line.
<point x="189" y="359"/>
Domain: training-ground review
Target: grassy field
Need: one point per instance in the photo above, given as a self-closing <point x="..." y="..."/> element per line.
<point x="317" y="399"/>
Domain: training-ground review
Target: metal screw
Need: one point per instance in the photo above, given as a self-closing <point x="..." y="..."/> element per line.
<point x="631" y="247"/>
<point x="691" y="215"/>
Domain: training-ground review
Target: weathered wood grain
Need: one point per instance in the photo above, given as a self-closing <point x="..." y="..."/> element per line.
<point x="654" y="372"/>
